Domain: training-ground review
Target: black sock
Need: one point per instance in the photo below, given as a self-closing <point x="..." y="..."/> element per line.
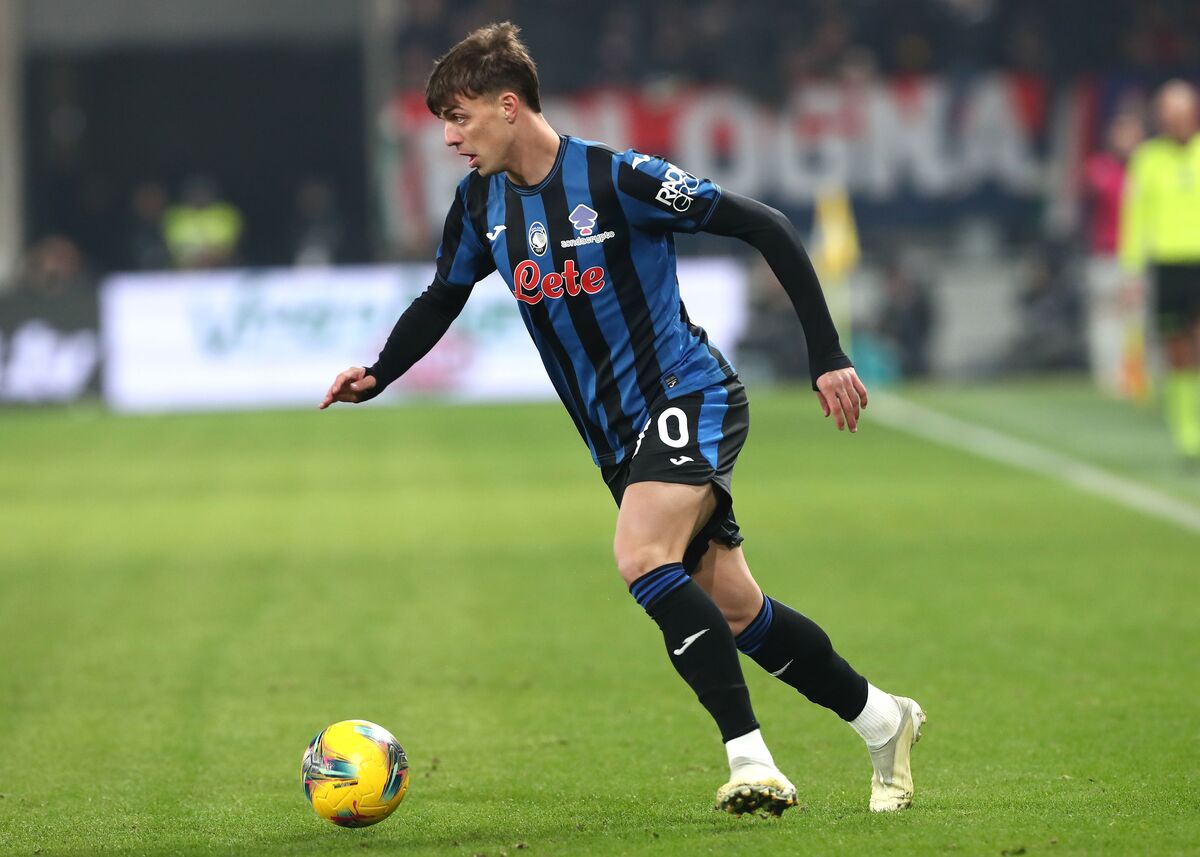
<point x="700" y="644"/>
<point x="794" y="649"/>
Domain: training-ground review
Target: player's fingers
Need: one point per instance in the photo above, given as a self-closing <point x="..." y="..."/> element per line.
<point x="835" y="406"/>
<point x="366" y="382"/>
<point x="862" y="390"/>
<point x="852" y="391"/>
<point x="849" y="401"/>
<point x="824" y="404"/>
<point x="336" y="390"/>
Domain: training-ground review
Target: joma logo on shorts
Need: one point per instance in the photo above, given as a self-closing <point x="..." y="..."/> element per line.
<point x="530" y="286"/>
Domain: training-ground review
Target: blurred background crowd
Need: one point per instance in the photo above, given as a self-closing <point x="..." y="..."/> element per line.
<point x="270" y="133"/>
<point x="761" y="46"/>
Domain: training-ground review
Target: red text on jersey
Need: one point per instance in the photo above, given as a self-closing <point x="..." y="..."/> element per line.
<point x="530" y="286"/>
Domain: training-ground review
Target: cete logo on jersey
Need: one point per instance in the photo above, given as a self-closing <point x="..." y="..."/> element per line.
<point x="538" y="240"/>
<point x="677" y="189"/>
<point x="583" y="219"/>
<point x="529" y="286"/>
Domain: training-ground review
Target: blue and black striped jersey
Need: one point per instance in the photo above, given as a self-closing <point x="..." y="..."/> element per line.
<point x="589" y="256"/>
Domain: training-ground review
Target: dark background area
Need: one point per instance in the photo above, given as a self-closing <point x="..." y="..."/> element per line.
<point x="256" y="119"/>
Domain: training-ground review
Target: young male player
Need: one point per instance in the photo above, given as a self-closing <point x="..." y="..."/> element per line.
<point x="582" y="235"/>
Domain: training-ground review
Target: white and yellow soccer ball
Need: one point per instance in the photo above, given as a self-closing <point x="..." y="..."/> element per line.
<point x="355" y="773"/>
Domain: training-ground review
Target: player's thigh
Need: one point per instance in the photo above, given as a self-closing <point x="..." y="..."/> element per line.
<point x="1177" y="312"/>
<point x="725" y="575"/>
<point x="656" y="522"/>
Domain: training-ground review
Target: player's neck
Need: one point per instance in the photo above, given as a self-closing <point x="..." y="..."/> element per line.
<point x="535" y="153"/>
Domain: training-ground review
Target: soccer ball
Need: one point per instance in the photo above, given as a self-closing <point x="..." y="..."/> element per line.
<point x="355" y="773"/>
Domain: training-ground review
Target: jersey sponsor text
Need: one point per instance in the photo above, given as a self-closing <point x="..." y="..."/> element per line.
<point x="530" y="286"/>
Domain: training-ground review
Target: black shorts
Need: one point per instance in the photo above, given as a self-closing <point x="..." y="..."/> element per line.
<point x="694" y="439"/>
<point x="1176" y="298"/>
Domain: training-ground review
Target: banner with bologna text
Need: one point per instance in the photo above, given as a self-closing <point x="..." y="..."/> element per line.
<point x="910" y="151"/>
<point x="276" y="338"/>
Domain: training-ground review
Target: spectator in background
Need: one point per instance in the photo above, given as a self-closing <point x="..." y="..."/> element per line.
<point x="318" y="229"/>
<point x="53" y="266"/>
<point x="1049" y="337"/>
<point x="1104" y="181"/>
<point x="147" y="240"/>
<point x="203" y="231"/>
<point x="1160" y="228"/>
<point x="906" y="316"/>
<point x="1114" y="322"/>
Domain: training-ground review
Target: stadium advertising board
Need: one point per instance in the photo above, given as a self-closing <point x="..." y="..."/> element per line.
<point x="49" y="347"/>
<point x="277" y="338"/>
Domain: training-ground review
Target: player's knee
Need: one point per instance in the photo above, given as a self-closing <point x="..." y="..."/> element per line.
<point x="739" y="614"/>
<point x="634" y="561"/>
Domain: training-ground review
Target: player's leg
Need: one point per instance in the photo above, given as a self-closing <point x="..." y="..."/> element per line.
<point x="655" y="524"/>
<point x="1181" y="395"/>
<point x="794" y="649"/>
<point x="1176" y="288"/>
<point x="1193" y="438"/>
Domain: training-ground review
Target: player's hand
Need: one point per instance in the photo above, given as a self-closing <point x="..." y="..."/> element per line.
<point x="349" y="387"/>
<point x="842" y="395"/>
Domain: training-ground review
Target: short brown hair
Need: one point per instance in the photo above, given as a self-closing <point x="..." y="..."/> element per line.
<point x="489" y="60"/>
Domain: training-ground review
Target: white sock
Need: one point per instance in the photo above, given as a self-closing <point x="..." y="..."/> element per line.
<point x="748" y="749"/>
<point x="880" y="718"/>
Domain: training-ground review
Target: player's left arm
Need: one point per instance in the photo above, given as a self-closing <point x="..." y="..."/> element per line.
<point x="661" y="196"/>
<point x="838" y="387"/>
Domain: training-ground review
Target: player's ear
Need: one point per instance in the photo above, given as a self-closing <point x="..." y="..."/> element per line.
<point x="510" y="104"/>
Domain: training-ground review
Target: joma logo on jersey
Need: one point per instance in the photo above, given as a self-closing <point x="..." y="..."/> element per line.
<point x="677" y="189"/>
<point x="530" y="286"/>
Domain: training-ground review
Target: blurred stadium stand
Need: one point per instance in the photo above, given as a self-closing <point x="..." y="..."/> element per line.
<point x="963" y="131"/>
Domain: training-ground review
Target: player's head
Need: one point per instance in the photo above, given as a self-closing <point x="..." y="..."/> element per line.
<point x="1177" y="109"/>
<point x="482" y="89"/>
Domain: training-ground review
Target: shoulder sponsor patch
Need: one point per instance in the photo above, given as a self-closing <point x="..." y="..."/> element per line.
<point x="677" y="189"/>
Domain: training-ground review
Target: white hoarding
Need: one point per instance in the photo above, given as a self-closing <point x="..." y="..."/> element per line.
<point x="277" y="338"/>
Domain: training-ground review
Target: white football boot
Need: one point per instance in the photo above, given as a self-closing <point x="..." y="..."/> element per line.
<point x="891" y="783"/>
<point x="755" y="788"/>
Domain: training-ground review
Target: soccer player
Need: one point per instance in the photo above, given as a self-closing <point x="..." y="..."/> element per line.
<point x="583" y="237"/>
<point x="1160" y="225"/>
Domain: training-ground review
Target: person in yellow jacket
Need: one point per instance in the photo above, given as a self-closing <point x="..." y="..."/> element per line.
<point x="202" y="231"/>
<point x="1160" y="232"/>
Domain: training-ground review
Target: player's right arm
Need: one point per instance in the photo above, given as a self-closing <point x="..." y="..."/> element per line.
<point x="462" y="261"/>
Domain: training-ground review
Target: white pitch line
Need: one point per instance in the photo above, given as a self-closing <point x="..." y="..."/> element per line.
<point x="950" y="431"/>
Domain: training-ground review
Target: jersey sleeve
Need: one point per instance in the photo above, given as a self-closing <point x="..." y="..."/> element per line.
<point x="462" y="258"/>
<point x="659" y="195"/>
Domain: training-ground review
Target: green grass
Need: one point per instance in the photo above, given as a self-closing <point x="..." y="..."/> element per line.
<point x="1070" y="417"/>
<point x="186" y="600"/>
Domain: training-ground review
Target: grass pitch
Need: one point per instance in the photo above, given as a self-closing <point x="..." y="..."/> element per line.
<point x="185" y="601"/>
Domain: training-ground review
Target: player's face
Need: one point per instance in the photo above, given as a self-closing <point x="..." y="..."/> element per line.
<point x="478" y="130"/>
